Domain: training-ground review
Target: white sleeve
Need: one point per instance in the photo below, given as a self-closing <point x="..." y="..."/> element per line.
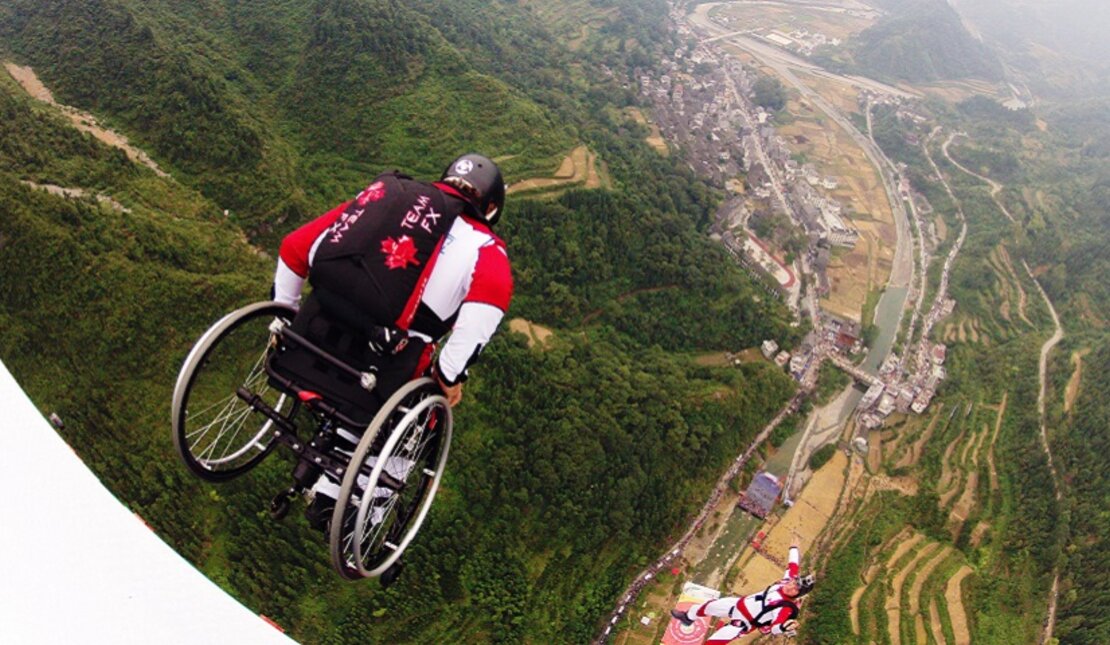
<point x="287" y="285"/>
<point x="792" y="562"/>
<point x="474" y="327"/>
<point x="779" y="628"/>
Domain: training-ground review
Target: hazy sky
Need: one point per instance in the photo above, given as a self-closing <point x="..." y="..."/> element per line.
<point x="1075" y="27"/>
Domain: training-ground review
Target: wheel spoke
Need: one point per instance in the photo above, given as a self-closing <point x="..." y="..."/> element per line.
<point x="217" y="433"/>
<point x="409" y="445"/>
<point x="219" y="419"/>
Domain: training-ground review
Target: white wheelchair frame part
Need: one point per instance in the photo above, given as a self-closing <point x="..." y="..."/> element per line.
<point x="202" y="377"/>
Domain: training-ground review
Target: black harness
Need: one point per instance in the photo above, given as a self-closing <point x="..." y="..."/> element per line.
<point x="772" y="606"/>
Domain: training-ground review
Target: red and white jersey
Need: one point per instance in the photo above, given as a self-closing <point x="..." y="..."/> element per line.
<point x="468" y="290"/>
<point x="759" y="608"/>
<point x="768" y="611"/>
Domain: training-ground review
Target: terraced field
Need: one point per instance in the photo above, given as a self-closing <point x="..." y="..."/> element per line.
<point x="905" y="599"/>
<point x="580" y="167"/>
<point x="576" y="20"/>
<point x="655" y="138"/>
<point x="910" y="590"/>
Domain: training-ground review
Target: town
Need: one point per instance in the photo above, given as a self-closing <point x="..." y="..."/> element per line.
<point x="707" y="103"/>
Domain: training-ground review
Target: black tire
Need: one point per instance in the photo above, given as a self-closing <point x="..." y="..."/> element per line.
<point x="419" y="423"/>
<point x="229" y="355"/>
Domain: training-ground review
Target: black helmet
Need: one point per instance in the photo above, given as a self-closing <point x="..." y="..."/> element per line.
<point x="479" y="179"/>
<point x="806" y="584"/>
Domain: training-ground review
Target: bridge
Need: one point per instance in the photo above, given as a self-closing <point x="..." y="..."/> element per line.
<point x="852" y="370"/>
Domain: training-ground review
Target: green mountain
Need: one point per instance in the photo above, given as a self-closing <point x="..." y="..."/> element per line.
<point x="277" y="110"/>
<point x="573" y="462"/>
<point x="1050" y="216"/>
<point x="923" y="40"/>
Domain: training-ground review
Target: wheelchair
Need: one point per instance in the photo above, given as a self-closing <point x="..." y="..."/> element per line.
<point x="255" y="380"/>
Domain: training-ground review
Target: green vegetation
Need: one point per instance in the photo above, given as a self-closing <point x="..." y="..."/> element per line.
<point x="572" y="465"/>
<point x="785" y="430"/>
<point x="1081" y="447"/>
<point x="822" y="456"/>
<point x="830" y="381"/>
<point x="825" y="620"/>
<point x="769" y="92"/>
<point x="277" y="115"/>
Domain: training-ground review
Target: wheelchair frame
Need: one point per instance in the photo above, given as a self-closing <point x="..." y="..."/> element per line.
<point x="416" y="409"/>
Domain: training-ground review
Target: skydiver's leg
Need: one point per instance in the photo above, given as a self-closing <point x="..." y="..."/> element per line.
<point x="721" y="607"/>
<point x="725" y="635"/>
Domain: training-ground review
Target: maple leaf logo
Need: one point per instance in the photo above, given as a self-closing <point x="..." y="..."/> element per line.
<point x="399" y="253"/>
<point x="373" y="193"/>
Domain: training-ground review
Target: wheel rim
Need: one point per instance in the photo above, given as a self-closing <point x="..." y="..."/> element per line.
<point x="217" y="427"/>
<point x="376" y="550"/>
<point x="430" y="456"/>
<point x="216" y="432"/>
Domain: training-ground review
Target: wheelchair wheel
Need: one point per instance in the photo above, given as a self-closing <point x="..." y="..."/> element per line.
<point x="392" y="479"/>
<point x="214" y="431"/>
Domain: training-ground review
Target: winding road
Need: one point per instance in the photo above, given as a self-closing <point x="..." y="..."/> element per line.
<point x="995" y="186"/>
<point x="1057" y="336"/>
<point x="1046" y="349"/>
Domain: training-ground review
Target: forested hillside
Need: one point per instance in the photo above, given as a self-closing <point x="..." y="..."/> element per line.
<point x="274" y="110"/>
<point x="1048" y="211"/>
<point x="1083" y="446"/>
<point x="573" y="460"/>
<point x="921" y="41"/>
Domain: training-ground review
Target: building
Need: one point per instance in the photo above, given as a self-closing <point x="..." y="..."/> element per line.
<point x="843" y="237"/>
<point x="870" y="420"/>
<point x="769" y="348"/>
<point x="873" y="393"/>
<point x="886" y="404"/>
<point x="761" y="495"/>
<point x="904" y="400"/>
<point x="922" y="401"/>
<point x="798" y="364"/>
<point x="758" y="177"/>
<point x="782" y="358"/>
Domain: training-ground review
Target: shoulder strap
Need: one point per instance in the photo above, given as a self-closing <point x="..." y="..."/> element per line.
<point x="769" y="607"/>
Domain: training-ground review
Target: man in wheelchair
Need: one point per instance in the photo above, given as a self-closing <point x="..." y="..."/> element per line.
<point x="393" y="271"/>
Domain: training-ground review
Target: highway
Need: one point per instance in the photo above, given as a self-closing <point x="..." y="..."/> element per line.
<point x="902" y="271"/>
<point x="831" y="417"/>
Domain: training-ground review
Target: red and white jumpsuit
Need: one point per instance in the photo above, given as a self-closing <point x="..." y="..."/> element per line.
<point x="468" y="289"/>
<point x="751" y="612"/>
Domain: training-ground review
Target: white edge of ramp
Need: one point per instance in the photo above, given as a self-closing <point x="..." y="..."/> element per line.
<point x="78" y="566"/>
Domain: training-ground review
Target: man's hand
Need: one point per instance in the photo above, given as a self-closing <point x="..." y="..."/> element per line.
<point x="790" y="628"/>
<point x="452" y="392"/>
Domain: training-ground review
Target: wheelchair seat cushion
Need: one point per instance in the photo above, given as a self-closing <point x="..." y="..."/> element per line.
<point x="334" y="335"/>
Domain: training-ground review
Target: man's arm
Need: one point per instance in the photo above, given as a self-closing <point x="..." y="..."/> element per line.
<point x="784" y="625"/>
<point x="295" y="256"/>
<point x="475" y="325"/>
<point x="491" y="290"/>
